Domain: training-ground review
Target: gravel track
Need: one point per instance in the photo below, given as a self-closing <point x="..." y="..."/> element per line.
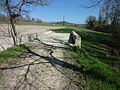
<point x="42" y="68"/>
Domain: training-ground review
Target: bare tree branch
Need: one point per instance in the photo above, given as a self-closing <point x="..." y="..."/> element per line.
<point x="94" y="4"/>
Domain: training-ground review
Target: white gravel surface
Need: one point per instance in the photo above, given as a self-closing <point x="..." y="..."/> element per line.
<point x="36" y="72"/>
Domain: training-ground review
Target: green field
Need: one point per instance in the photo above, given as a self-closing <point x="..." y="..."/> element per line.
<point x="37" y="24"/>
<point x="32" y="23"/>
<point x="101" y="70"/>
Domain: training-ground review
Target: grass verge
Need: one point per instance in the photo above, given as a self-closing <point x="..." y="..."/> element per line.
<point x="101" y="69"/>
<point x="98" y="75"/>
<point x="12" y="52"/>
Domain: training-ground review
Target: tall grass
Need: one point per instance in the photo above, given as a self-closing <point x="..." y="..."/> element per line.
<point x="94" y="70"/>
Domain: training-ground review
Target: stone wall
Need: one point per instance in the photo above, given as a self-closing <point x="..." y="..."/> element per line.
<point x="27" y="38"/>
<point x="6" y="42"/>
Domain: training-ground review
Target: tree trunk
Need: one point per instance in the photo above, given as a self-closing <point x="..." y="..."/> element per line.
<point x="116" y="34"/>
<point x="13" y="30"/>
<point x="116" y="39"/>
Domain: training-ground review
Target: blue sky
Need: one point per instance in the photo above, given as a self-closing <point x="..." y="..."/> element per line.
<point x="71" y="9"/>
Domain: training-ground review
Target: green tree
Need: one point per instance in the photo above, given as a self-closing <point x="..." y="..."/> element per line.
<point x="111" y="14"/>
<point x="91" y="22"/>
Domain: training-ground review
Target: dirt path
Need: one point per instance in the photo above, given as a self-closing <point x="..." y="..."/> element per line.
<point x="42" y="69"/>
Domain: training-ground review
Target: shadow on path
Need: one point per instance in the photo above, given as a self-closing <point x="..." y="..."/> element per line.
<point x="51" y="60"/>
<point x="56" y="61"/>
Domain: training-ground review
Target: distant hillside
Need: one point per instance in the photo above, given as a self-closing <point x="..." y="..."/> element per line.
<point x="69" y="24"/>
